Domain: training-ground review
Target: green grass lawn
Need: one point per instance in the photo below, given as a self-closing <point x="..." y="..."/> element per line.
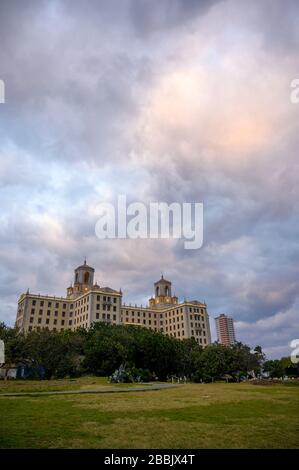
<point x="81" y="383"/>
<point x="190" y="416"/>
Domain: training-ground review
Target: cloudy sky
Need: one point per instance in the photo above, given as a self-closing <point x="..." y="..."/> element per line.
<point x="169" y="100"/>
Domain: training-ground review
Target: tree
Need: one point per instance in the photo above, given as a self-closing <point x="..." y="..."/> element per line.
<point x="275" y="368"/>
<point x="103" y="348"/>
<point x="14" y="347"/>
<point x="258" y="361"/>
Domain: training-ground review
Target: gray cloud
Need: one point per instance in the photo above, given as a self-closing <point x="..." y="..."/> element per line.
<point x="166" y="14"/>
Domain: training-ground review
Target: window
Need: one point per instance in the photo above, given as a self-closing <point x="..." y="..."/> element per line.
<point x="49" y="304"/>
<point x="114" y="317"/>
<point x="48" y="313"/>
<point x="41" y="303"/>
<point x="40" y="312"/>
<point x="47" y="321"/>
<point x="31" y="319"/>
<point x="70" y="322"/>
<point x="55" y="322"/>
<point x="57" y="305"/>
<point x="63" y="314"/>
<point x="114" y="300"/>
<point x="114" y="308"/>
<point x="97" y="316"/>
<point x="39" y="320"/>
<point x="32" y="310"/>
<point x="33" y="302"/>
<point x="56" y="313"/>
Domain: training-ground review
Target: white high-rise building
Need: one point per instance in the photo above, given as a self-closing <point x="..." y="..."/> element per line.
<point x="225" y="330"/>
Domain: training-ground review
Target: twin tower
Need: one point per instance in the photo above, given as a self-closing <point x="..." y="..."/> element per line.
<point x="84" y="281"/>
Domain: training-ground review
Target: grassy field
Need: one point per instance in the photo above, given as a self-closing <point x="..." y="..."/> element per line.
<point x="81" y="383"/>
<point x="190" y="416"/>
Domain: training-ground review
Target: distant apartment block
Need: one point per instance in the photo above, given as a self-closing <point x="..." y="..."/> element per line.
<point x="225" y="330"/>
<point x="86" y="303"/>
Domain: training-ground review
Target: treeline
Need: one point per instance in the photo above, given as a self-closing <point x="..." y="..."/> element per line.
<point x="103" y="348"/>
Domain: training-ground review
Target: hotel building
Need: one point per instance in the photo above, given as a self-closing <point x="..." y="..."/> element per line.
<point x="86" y="303"/>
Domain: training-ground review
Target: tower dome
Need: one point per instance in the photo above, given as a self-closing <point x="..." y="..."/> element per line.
<point x="163" y="297"/>
<point x="162" y="287"/>
<point x="84" y="274"/>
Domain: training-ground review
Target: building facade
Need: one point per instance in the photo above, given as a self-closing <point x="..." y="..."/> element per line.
<point x="225" y="330"/>
<point x="86" y="303"/>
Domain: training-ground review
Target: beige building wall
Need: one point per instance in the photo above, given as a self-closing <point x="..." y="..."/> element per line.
<point x="38" y="311"/>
